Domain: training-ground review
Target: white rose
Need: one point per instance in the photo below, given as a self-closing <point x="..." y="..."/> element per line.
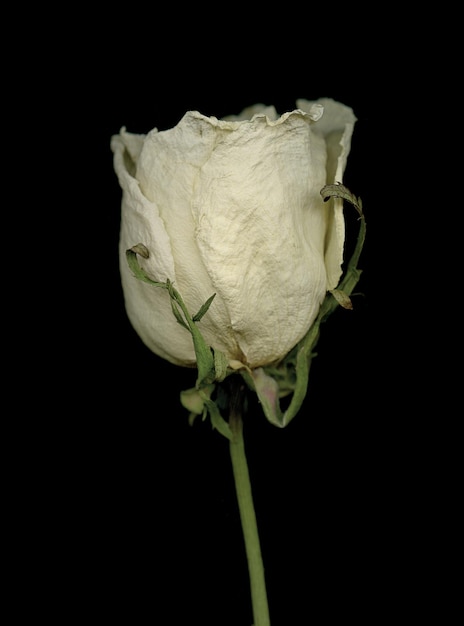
<point x="233" y="207"/>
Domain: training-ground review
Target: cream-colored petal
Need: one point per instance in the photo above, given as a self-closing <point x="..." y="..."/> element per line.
<point x="260" y="226"/>
<point x="148" y="307"/>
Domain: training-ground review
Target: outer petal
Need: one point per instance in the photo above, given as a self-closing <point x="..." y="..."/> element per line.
<point x="336" y="126"/>
<point x="260" y="226"/>
<point x="148" y="307"/>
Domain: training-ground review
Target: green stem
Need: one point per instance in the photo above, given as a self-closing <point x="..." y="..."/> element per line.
<point x="247" y="512"/>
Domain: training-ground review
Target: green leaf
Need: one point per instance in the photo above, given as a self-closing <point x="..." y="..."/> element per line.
<point x="220" y="365"/>
<point x="204" y="355"/>
<point x="217" y="421"/>
<point x="197" y="317"/>
<point x="177" y="314"/>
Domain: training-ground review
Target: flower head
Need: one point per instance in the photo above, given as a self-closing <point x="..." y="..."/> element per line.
<point x="233" y="207"/>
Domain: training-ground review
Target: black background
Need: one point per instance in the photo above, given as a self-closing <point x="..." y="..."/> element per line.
<point x="139" y="508"/>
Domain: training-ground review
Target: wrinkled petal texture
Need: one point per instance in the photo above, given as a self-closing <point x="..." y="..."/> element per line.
<point x="233" y="207"/>
<point x="148" y="307"/>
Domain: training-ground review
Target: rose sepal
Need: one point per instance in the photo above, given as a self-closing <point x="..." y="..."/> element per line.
<point x="211" y="363"/>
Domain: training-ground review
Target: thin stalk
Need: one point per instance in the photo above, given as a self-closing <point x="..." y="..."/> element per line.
<point x="247" y="512"/>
